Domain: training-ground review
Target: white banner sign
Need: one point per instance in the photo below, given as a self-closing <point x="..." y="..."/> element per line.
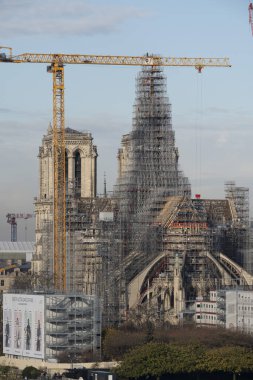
<point x="23" y="325"/>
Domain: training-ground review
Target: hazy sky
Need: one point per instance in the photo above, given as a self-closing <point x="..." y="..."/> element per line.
<point x="212" y="112"/>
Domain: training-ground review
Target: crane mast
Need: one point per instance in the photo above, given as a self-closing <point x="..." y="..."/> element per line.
<point x="11" y="219"/>
<point x="57" y="62"/>
<point x="59" y="203"/>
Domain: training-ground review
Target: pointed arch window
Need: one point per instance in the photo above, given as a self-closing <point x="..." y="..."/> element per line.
<point x="78" y="172"/>
<point x="66" y="167"/>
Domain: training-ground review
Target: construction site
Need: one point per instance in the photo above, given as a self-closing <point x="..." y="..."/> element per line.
<point x="149" y="249"/>
<point x="149" y="245"/>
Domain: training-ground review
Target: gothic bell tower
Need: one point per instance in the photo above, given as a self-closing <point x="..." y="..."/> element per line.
<point x="81" y="180"/>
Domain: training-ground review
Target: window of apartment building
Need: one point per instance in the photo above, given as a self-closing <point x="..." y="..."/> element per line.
<point x="2" y="282"/>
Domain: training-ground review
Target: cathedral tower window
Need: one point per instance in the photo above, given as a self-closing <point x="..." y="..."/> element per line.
<point x="66" y="168"/>
<point x="78" y="172"/>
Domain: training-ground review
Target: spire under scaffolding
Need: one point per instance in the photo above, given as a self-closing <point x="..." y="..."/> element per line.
<point x="148" y="158"/>
<point x="148" y="161"/>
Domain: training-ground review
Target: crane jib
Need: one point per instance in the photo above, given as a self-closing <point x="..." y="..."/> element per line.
<point x="65" y="59"/>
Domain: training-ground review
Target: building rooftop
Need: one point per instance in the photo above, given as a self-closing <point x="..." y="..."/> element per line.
<point x="18" y="246"/>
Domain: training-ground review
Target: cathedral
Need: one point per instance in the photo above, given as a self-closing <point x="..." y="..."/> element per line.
<point x="149" y="247"/>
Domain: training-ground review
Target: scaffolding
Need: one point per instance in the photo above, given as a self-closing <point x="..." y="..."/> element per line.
<point x="73" y="325"/>
<point x="46" y="271"/>
<point x="238" y="198"/>
<point x="148" y="174"/>
<point x="159" y="226"/>
<point x="148" y="157"/>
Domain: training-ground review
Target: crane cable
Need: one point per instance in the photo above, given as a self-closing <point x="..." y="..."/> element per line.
<point x="199" y="118"/>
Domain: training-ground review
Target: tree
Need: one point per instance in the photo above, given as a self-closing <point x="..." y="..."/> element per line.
<point x="157" y="359"/>
<point x="31" y="372"/>
<point x="209" y="337"/>
<point x="9" y="372"/>
<point x="117" y="342"/>
<point x="30" y="281"/>
<point x="227" y="359"/>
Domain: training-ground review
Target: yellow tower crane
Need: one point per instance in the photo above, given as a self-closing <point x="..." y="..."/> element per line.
<point x="57" y="62"/>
